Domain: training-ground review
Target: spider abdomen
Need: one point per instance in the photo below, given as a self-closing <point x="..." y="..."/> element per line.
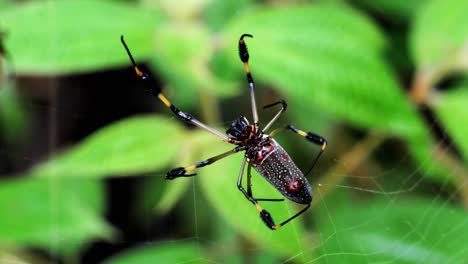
<point x="277" y="167"/>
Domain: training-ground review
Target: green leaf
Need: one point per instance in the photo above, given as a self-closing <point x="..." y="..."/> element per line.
<point x="440" y="35"/>
<point x="4" y="3"/>
<point x="219" y="184"/>
<point x="329" y="56"/>
<point x="166" y="252"/>
<point x="159" y="196"/>
<point x="131" y="146"/>
<point x="62" y="37"/>
<point x="60" y="216"/>
<point x="397" y="11"/>
<point x="218" y="13"/>
<point x="400" y="230"/>
<point x="452" y="111"/>
<point x="171" y="195"/>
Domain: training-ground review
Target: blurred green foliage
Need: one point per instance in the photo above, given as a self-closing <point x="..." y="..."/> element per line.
<point x="452" y="111"/>
<point x="167" y="253"/>
<point x="397" y="11"/>
<point x="439" y="34"/>
<point x="58" y="214"/>
<point x="400" y="230"/>
<point x="126" y="147"/>
<point x="75" y="36"/>
<point x="328" y="59"/>
<point x="339" y="77"/>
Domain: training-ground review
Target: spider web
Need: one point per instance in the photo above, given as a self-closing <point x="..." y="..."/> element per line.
<point x="390" y="197"/>
<point x="399" y="247"/>
<point x="361" y="189"/>
<point x="331" y="242"/>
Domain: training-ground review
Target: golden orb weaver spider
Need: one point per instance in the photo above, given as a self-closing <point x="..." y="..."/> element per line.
<point x="262" y="152"/>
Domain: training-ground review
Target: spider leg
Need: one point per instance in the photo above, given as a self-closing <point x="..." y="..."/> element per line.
<point x="247" y="194"/>
<point x="280" y="112"/>
<point x="249" y="188"/>
<point x="244" y="56"/>
<point x="291" y="218"/>
<point x="314" y="138"/>
<point x="156" y="91"/>
<point x="181" y="171"/>
<point x="264" y="214"/>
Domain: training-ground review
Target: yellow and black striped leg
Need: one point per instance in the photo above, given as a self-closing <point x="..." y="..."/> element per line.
<point x="181" y="171"/>
<point x="244" y="56"/>
<point x="264" y="214"/>
<point x="156" y="91"/>
<point x="275" y="227"/>
<point x="266" y="217"/>
<point x="314" y="138"/>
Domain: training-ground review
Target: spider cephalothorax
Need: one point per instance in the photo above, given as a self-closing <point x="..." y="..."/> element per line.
<point x="240" y="130"/>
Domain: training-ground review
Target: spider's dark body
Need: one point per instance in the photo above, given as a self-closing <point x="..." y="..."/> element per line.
<point x="275" y="165"/>
<point x="261" y="151"/>
<point x="272" y="162"/>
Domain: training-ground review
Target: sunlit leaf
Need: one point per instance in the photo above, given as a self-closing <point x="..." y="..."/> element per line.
<point x="75" y="36"/>
<point x="134" y="145"/>
<point x="400" y="230"/>
<point x="57" y="215"/>
<point x="219" y="184"/>
<point x="453" y="113"/>
<point x="329" y="56"/>
<point x="440" y="34"/>
<point x="167" y="252"/>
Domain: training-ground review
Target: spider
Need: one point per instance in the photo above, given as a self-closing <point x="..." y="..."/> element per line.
<point x="262" y="152"/>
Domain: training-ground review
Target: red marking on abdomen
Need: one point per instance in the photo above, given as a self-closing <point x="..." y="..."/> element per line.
<point x="259" y="156"/>
<point x="263" y="152"/>
<point x="293" y="186"/>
